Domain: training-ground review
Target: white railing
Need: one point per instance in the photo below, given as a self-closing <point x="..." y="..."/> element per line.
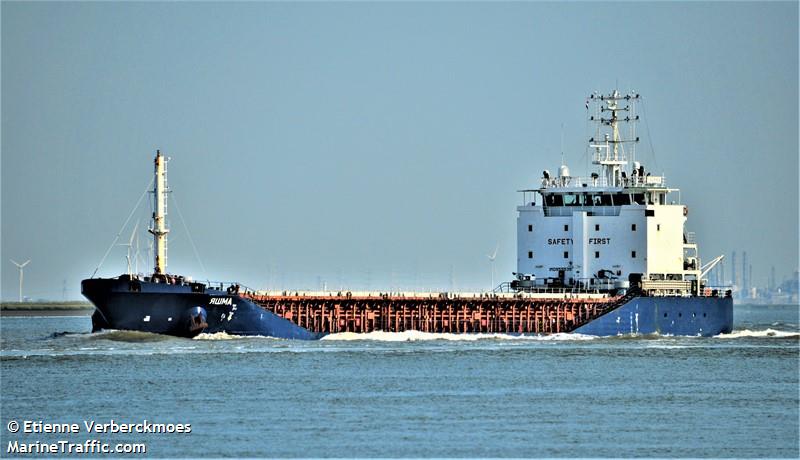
<point x="667" y="287"/>
<point x="576" y="181"/>
<point x="608" y="155"/>
<point x="579" y="181"/>
<point x="644" y="181"/>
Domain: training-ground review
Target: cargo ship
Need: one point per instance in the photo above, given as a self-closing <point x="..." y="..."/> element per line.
<point x="605" y="255"/>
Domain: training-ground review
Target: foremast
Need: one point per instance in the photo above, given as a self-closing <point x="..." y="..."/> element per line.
<point x="159" y="225"/>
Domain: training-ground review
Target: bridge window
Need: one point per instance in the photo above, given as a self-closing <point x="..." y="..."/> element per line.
<point x="570" y="200"/>
<point x="621" y="199"/>
<point x="554" y="199"/>
<point x="638" y="198"/>
<point x="530" y="254"/>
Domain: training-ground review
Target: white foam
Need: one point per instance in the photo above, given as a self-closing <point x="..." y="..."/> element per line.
<point x="417" y="336"/>
<point x="216" y="336"/>
<point x="226" y="336"/>
<point x="763" y="333"/>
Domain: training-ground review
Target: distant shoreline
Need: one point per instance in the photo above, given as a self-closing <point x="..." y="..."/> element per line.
<point x="74" y="308"/>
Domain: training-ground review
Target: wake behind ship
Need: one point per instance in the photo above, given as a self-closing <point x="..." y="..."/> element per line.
<point x="604" y="255"/>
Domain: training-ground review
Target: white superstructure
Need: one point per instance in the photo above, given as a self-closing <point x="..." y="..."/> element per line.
<point x="620" y="226"/>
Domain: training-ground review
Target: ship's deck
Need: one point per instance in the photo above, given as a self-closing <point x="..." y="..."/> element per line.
<point x="428" y="312"/>
<point x="367" y="295"/>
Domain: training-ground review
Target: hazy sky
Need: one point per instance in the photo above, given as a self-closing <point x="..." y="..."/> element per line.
<point x="377" y="144"/>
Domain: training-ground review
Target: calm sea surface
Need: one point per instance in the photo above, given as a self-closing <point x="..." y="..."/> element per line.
<point x="413" y="394"/>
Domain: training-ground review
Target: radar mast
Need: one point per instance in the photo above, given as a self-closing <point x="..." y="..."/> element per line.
<point x="608" y="143"/>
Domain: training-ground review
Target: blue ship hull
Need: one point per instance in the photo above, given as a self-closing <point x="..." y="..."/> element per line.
<point x="189" y="309"/>
<point x="704" y="316"/>
<point x="179" y="309"/>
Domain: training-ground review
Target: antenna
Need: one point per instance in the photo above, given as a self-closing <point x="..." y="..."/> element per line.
<point x="491" y="262"/>
<point x="21" y="275"/>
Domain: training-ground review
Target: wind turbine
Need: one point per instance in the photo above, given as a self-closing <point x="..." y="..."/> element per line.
<point x="136" y="254"/>
<point x="140" y="253"/>
<point x="129" y="244"/>
<point x="150" y="249"/>
<point x="20" y="266"/>
<point x="491" y="261"/>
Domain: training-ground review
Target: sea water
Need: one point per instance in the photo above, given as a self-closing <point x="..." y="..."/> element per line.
<point x="412" y="394"/>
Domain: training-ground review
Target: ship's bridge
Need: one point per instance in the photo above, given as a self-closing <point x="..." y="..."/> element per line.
<point x="597" y="199"/>
<point x="597" y="190"/>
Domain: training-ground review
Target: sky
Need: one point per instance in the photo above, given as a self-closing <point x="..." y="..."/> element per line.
<point x="376" y="145"/>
